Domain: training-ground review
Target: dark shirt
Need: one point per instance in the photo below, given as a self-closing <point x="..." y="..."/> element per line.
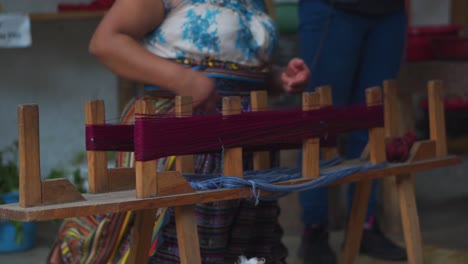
<point x="368" y="7"/>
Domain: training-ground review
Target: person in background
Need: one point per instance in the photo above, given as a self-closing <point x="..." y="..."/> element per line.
<point x="350" y="45"/>
<point x="203" y="49"/>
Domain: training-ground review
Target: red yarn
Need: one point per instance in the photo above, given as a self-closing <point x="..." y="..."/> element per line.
<point x="399" y="148"/>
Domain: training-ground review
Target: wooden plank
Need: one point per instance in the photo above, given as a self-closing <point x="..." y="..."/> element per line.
<point x="311" y="147"/>
<point x="390" y="206"/>
<point x="124" y="201"/>
<point x="141" y="236"/>
<point x="232" y="160"/>
<point x="98" y="180"/>
<point x="58" y="191"/>
<point x="363" y="188"/>
<point x="437" y="116"/>
<point x="146" y="182"/>
<point x="259" y="102"/>
<point x="121" y="179"/>
<point x="29" y="156"/>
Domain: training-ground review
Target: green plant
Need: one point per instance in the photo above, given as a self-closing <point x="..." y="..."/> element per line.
<point x="9" y="169"/>
<point x="9" y="180"/>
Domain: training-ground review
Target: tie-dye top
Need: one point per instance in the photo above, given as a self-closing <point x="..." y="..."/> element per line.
<point x="237" y="31"/>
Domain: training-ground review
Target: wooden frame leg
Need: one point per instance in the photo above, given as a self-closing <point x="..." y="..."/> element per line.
<point x="187" y="234"/>
<point x="185" y="218"/>
<point x="356" y="221"/>
<point x="363" y="188"/>
<point x="141" y="237"/>
<point x="410" y="218"/>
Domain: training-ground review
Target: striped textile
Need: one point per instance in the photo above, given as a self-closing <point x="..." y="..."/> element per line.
<point x="226" y="229"/>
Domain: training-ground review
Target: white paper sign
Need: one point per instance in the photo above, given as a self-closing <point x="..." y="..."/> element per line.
<point x="15" y="31"/>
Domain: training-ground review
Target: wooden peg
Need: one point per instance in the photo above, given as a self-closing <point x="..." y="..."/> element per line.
<point x="376" y="134"/>
<point x="29" y="156"/>
<point x="146" y="182"/>
<point x="98" y="178"/>
<point x="311" y="147"/>
<point x="259" y="102"/>
<point x="233" y="165"/>
<point x="183" y="107"/>
<point x="326" y="99"/>
<point x="437" y="116"/>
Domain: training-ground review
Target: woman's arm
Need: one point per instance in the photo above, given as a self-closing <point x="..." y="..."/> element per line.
<point x="117" y="44"/>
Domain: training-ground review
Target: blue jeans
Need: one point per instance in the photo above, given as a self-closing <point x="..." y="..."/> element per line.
<point x="350" y="53"/>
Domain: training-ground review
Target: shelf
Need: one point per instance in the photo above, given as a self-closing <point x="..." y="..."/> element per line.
<point x="66" y="15"/>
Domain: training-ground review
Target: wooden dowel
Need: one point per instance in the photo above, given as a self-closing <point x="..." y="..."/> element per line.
<point x="98" y="179"/>
<point x="259" y="102"/>
<point x="437" y="116"/>
<point x="326" y="99"/>
<point x="183" y="107"/>
<point x="29" y="156"/>
<point x="310" y="147"/>
<point x="233" y="165"/>
<point x="146" y="182"/>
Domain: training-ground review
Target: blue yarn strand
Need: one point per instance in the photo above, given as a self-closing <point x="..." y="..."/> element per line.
<point x="264" y="179"/>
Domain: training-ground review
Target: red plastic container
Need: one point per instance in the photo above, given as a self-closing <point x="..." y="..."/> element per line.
<point x="420" y="39"/>
<point x="450" y="48"/>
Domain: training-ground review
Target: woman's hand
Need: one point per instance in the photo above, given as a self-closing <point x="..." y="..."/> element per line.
<point x="295" y="77"/>
<point x="201" y="88"/>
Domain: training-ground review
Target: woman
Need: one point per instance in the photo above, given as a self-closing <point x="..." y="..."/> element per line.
<point x="202" y="49"/>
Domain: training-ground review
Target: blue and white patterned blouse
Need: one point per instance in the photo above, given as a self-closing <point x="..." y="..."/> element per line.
<point x="237" y="31"/>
